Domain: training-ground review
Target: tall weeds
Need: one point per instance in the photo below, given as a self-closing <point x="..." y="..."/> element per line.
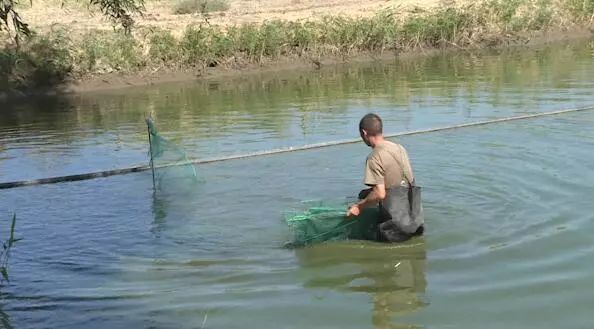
<point x="47" y="59"/>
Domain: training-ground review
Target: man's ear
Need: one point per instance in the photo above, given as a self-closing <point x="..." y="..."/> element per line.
<point x="363" y="132"/>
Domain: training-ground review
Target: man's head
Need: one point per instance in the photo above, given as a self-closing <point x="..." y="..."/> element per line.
<point x="370" y="128"/>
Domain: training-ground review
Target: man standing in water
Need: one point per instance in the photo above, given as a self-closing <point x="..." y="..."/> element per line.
<point x="387" y="169"/>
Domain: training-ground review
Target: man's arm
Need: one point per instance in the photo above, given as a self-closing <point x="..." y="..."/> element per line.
<point x="377" y="194"/>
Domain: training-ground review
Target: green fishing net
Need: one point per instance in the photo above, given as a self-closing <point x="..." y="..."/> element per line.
<point x="169" y="163"/>
<point x="323" y="222"/>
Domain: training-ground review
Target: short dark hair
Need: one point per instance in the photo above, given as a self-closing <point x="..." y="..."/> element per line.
<point x="372" y="124"/>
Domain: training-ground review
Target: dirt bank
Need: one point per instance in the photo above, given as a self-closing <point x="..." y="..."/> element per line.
<point x="84" y="55"/>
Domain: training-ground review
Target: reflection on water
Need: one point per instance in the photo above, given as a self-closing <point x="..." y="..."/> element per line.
<point x="5" y="320"/>
<point x="159" y="208"/>
<point x="174" y="197"/>
<point x="392" y="275"/>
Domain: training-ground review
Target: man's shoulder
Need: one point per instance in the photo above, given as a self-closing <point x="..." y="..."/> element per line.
<point x="375" y="156"/>
<point x="382" y="152"/>
<point x="388" y="146"/>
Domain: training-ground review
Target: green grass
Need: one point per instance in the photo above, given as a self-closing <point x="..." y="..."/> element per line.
<point x="42" y="61"/>
<point x="103" y="52"/>
<point x="200" y="6"/>
<point x="163" y="47"/>
<point x="583" y="9"/>
<point x="49" y="59"/>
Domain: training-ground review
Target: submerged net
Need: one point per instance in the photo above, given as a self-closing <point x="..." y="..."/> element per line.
<point x="322" y="222"/>
<point x="169" y="163"/>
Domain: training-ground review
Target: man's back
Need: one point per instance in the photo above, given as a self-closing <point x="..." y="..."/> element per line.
<point x="386" y="164"/>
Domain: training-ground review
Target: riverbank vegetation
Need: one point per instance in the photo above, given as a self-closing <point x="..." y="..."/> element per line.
<point x="48" y="59"/>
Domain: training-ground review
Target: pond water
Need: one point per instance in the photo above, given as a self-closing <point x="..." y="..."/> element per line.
<point x="508" y="206"/>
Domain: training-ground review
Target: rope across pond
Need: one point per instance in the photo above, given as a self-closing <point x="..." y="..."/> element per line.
<point x="121" y="171"/>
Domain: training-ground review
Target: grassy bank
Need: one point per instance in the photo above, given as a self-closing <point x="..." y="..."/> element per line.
<point x="49" y="59"/>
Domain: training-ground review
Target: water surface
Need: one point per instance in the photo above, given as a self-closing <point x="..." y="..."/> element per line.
<point x="508" y="206"/>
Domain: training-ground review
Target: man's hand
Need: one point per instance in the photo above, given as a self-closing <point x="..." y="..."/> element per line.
<point x="377" y="194"/>
<point x="354" y="210"/>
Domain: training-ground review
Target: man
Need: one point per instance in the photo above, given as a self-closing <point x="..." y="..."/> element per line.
<point x="387" y="168"/>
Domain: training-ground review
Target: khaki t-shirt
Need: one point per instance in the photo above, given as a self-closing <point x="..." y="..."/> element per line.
<point x="384" y="165"/>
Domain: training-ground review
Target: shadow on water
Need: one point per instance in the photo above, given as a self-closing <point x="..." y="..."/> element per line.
<point x="393" y="275"/>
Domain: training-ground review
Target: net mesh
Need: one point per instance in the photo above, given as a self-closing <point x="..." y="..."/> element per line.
<point x="324" y="222"/>
<point x="169" y="163"/>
